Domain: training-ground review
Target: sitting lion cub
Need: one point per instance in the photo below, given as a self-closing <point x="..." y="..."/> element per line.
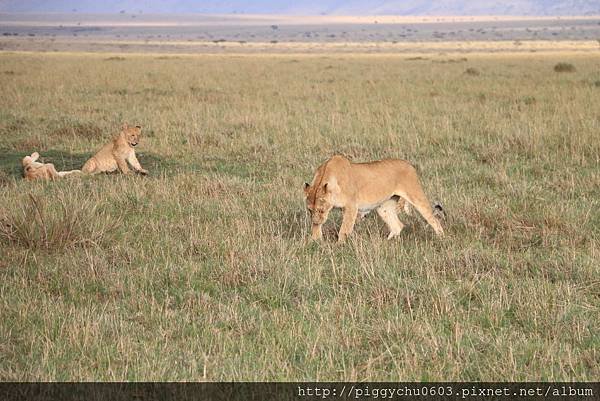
<point x="34" y="170"/>
<point x="116" y="154"/>
<point x="361" y="187"/>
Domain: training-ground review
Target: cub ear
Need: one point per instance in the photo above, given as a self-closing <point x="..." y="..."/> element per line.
<point x="138" y="127"/>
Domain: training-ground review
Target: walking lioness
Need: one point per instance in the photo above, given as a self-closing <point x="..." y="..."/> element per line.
<point x="362" y="187"/>
<point x="116" y="154"/>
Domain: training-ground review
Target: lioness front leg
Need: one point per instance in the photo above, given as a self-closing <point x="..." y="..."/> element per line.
<point x="317" y="231"/>
<point x="348" y="220"/>
<point x="136" y="164"/>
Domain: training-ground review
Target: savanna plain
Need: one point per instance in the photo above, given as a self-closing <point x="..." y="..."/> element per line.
<point x="204" y="269"/>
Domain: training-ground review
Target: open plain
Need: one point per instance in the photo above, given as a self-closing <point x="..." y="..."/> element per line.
<point x="203" y="270"/>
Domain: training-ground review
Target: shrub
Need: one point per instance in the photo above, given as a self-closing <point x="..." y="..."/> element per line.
<point x="564" y="67"/>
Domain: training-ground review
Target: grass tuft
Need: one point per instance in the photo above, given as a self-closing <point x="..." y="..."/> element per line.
<point x="5" y="179"/>
<point x="56" y="224"/>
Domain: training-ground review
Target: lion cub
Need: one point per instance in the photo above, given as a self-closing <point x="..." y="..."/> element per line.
<point x="116" y="154"/>
<point x="34" y="170"/>
<point x="359" y="188"/>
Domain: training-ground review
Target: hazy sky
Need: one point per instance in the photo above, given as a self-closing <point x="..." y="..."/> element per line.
<point x="313" y="7"/>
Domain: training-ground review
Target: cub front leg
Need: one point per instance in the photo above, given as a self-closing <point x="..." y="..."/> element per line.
<point x="136" y="164"/>
<point x="348" y="220"/>
<point x="122" y="165"/>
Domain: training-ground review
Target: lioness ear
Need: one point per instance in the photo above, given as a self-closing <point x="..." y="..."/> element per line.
<point x="138" y="126"/>
<point x="331" y="186"/>
<point x="306" y="186"/>
<point x="35" y="156"/>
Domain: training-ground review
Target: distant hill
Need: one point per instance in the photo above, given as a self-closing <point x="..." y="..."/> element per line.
<point x="312" y="7"/>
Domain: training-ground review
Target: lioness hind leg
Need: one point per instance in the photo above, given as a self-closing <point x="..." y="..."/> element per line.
<point x="388" y="213"/>
<point x="420" y="202"/>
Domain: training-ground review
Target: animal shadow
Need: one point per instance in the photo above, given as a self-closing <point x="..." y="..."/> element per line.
<point x="10" y="161"/>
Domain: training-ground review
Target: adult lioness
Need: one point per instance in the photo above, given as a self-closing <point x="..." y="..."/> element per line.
<point x="117" y="153"/>
<point x="34" y="170"/>
<point x="362" y="187"/>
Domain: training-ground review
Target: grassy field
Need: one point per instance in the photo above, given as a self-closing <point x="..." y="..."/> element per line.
<point x="204" y="271"/>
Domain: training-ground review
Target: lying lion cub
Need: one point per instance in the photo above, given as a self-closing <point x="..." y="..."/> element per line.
<point x="34" y="170"/>
<point x="361" y="187"/>
<point x="117" y="153"/>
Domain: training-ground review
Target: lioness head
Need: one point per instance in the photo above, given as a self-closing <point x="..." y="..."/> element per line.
<point x="131" y="134"/>
<point x="319" y="200"/>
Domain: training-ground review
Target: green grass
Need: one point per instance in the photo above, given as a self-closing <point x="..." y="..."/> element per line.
<point x="208" y="272"/>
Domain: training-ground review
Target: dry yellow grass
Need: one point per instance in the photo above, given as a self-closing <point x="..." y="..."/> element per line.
<point x="209" y="274"/>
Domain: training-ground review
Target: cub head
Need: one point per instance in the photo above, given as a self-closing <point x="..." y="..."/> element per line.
<point x="131" y="134"/>
<point x="320" y="199"/>
<point x="27" y="160"/>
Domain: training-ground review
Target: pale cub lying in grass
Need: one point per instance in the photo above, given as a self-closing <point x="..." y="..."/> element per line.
<point x="34" y="170"/>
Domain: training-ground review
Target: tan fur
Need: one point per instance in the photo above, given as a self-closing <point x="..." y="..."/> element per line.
<point x="34" y="170"/>
<point x="358" y="188"/>
<point x="117" y="154"/>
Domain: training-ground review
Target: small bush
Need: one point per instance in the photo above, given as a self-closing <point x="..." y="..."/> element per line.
<point x="472" y="71"/>
<point x="564" y="67"/>
<point x="56" y="224"/>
